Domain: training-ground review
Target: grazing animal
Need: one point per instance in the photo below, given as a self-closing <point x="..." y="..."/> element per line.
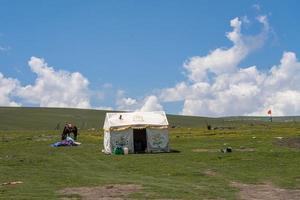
<point x="68" y="129"/>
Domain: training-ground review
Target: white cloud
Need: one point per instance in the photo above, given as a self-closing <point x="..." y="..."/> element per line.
<point x="184" y="91"/>
<point x="281" y="89"/>
<point x="286" y="75"/>
<point x="151" y="103"/>
<point x="229" y="94"/>
<point x="103" y="108"/>
<point x="52" y="88"/>
<point x="217" y="86"/>
<point x="222" y="60"/>
<point x="55" y="88"/>
<point x="8" y="87"/>
<point x="127" y="104"/>
<point x="147" y="104"/>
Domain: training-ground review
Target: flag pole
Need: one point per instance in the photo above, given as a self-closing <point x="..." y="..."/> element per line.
<point x="270" y="115"/>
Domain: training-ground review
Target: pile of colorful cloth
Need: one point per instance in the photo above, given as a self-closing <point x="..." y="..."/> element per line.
<point x="67" y="142"/>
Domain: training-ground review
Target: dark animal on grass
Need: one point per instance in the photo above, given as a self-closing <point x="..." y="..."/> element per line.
<point x="68" y="129"/>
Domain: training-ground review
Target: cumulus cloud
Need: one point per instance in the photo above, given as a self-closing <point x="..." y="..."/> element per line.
<point x="147" y="104"/>
<point x="151" y="103"/>
<point x="280" y="89"/>
<point x="217" y="86"/>
<point x="8" y="86"/>
<point x="229" y="94"/>
<point x="221" y="60"/>
<point x="127" y="104"/>
<point x="184" y="90"/>
<point x="55" y="88"/>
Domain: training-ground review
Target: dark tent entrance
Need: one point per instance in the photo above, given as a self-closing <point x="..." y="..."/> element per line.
<point x="140" y="140"/>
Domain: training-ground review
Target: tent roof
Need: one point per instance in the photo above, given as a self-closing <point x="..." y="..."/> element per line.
<point x="129" y="119"/>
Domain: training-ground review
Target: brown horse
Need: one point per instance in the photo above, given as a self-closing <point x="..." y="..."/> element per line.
<point x="68" y="129"/>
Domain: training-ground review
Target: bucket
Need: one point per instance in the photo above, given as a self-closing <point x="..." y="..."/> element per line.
<point x="125" y="149"/>
<point x="118" y="151"/>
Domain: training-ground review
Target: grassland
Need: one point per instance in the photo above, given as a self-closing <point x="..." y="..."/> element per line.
<point x="196" y="170"/>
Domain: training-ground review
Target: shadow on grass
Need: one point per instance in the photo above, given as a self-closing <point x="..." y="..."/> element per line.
<point x="171" y="151"/>
<point x="174" y="151"/>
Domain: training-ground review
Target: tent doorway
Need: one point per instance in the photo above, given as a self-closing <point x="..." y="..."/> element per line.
<point x="140" y="140"/>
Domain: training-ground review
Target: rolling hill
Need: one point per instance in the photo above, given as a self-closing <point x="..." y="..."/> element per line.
<point x="33" y="118"/>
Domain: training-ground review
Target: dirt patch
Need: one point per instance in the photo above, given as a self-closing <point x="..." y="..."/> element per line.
<point x="289" y="142"/>
<point x="205" y="150"/>
<point x="265" y="191"/>
<point x="210" y="172"/>
<point x="245" y="149"/>
<point x="12" y="183"/>
<point x="108" y="192"/>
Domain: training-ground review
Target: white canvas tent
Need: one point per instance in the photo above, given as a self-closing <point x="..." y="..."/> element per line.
<point x="138" y="131"/>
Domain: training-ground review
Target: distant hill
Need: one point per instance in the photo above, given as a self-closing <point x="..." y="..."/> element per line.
<point x="33" y="118"/>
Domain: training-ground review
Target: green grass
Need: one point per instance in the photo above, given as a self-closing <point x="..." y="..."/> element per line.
<point x="26" y="155"/>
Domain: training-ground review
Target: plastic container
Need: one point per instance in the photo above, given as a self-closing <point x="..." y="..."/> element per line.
<point x="118" y="151"/>
<point x="125" y="149"/>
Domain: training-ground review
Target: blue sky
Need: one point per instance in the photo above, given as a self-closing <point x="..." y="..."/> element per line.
<point x="132" y="55"/>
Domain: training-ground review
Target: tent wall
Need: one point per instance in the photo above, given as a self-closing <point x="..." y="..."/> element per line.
<point x="157" y="140"/>
<point x="123" y="138"/>
<point x="106" y="142"/>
